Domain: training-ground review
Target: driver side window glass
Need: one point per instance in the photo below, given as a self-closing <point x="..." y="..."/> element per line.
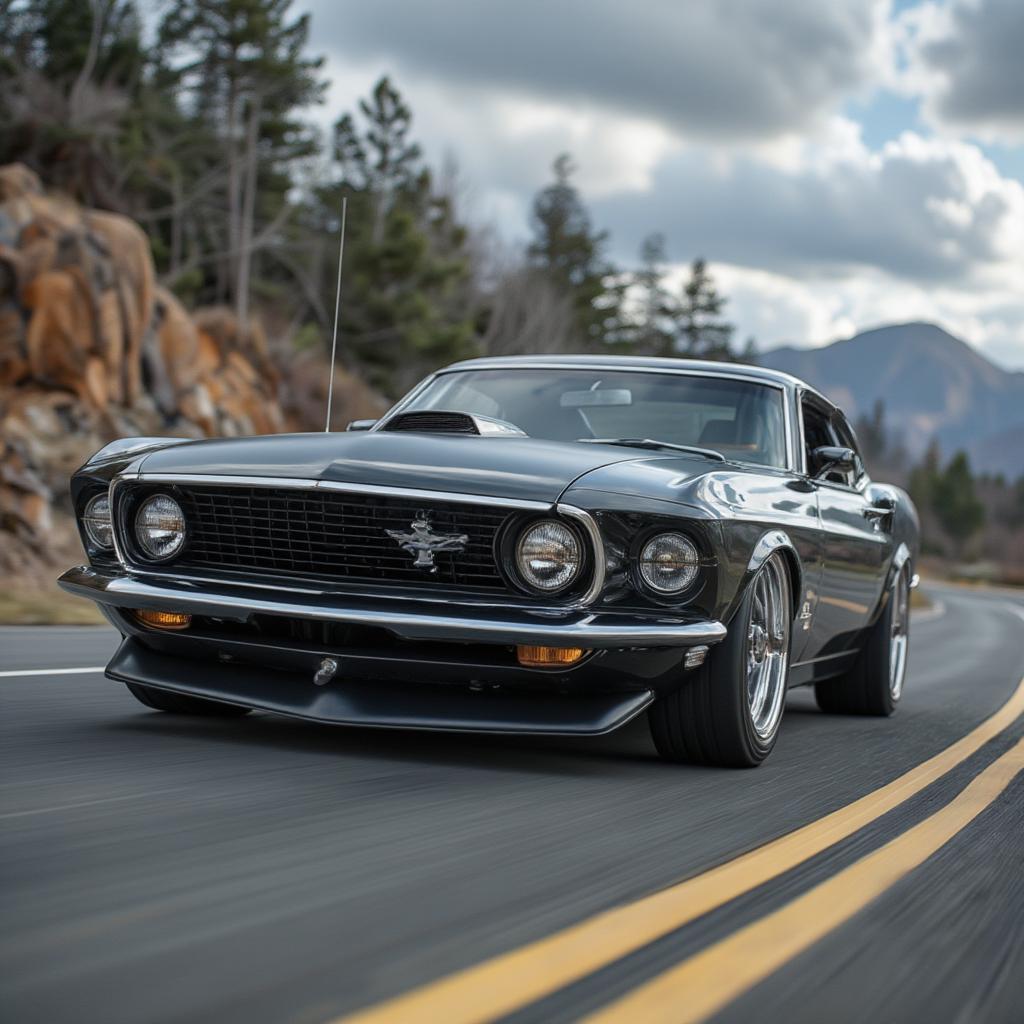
<point x="845" y="435"/>
<point x="817" y="434"/>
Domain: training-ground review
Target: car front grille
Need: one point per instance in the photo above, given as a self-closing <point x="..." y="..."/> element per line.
<point x="335" y="535"/>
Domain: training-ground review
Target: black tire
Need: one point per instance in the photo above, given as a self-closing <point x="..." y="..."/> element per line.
<point x="867" y="689"/>
<point x="179" y="704"/>
<point x="708" y="719"/>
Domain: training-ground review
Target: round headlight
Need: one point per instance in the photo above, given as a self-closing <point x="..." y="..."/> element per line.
<point x="160" y="527"/>
<point x="669" y="563"/>
<point x="549" y="556"/>
<point x="97" y="522"/>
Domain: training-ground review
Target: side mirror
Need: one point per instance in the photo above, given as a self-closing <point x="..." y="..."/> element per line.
<point x="829" y="457"/>
<point x="360" y="424"/>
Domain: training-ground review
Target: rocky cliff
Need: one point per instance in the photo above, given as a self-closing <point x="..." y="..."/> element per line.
<point x="92" y="348"/>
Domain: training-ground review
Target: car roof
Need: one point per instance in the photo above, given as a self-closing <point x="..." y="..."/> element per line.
<point x="746" y="371"/>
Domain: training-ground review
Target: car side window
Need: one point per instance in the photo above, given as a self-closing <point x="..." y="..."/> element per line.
<point x="845" y="437"/>
<point x="817" y="434"/>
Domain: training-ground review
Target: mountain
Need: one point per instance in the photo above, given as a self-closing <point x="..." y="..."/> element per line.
<point x="932" y="384"/>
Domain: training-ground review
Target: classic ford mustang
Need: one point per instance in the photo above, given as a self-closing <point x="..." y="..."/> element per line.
<point x="521" y="545"/>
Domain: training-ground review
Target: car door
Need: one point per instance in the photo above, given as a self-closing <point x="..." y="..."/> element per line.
<point x="855" y="538"/>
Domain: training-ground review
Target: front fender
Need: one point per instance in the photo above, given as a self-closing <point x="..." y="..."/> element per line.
<point x="133" y="447"/>
<point x="899" y="559"/>
<point x="769" y="543"/>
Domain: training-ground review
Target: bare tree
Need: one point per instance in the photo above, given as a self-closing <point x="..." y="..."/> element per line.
<point x="530" y="313"/>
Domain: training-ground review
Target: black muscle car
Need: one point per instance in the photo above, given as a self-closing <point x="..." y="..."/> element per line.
<point x="521" y="545"/>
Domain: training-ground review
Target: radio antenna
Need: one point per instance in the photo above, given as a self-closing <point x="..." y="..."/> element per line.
<point x="337" y="307"/>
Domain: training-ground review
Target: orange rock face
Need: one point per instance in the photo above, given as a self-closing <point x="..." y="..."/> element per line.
<point x="92" y="348"/>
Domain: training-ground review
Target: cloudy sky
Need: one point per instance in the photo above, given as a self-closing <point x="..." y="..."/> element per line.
<point x="842" y="164"/>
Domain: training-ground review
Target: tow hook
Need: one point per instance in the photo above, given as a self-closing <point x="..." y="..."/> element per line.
<point x="325" y="672"/>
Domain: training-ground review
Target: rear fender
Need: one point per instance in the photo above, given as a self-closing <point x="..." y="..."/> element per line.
<point x="899" y="560"/>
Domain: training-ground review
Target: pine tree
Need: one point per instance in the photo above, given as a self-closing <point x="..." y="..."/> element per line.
<point x="567" y="249"/>
<point x="872" y="433"/>
<point x="244" y="70"/>
<point x="955" y="502"/>
<point x="924" y="476"/>
<point x="405" y="304"/>
<point x="70" y="73"/>
<point x="701" y="333"/>
<point x="655" y="307"/>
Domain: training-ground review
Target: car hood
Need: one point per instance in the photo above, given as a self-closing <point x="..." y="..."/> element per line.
<point x="508" y="467"/>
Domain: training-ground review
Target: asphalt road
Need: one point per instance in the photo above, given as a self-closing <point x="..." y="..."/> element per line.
<point x="157" y="868"/>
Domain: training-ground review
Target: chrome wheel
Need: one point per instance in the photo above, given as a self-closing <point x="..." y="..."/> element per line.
<point x="899" y="633"/>
<point x="767" y="647"/>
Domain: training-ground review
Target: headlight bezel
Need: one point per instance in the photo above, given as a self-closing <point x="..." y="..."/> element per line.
<point x="513" y="543"/>
<point x="140" y="546"/>
<point x="88" y="518"/>
<point x="643" y="583"/>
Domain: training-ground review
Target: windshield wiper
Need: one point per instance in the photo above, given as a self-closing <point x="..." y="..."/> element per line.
<point x="655" y="445"/>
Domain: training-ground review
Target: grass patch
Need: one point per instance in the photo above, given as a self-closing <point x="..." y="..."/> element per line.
<point x="24" y="603"/>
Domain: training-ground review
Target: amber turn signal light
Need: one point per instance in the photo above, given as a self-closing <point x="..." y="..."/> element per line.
<point x="546" y="657"/>
<point x="163" y="620"/>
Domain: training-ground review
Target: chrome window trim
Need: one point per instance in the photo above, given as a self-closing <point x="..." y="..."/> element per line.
<point x="586" y="521"/>
<point x="787" y="413"/>
<point x="792" y="460"/>
<point x="802" y="469"/>
<point x="609" y="367"/>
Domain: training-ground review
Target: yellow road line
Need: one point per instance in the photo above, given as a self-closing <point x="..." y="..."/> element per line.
<point x="511" y="980"/>
<point x="700" y="986"/>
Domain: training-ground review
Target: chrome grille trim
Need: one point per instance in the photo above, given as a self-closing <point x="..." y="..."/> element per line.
<point x="589" y="524"/>
<point x="337" y="485"/>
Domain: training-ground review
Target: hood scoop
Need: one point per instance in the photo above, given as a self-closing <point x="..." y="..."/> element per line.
<point x="440" y="422"/>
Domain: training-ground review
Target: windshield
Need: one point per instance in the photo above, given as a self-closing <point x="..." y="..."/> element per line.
<point x="740" y="419"/>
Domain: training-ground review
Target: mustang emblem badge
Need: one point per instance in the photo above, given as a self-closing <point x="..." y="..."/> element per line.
<point x="423" y="543"/>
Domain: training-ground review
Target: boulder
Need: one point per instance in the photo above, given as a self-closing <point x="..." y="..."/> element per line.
<point x="92" y="348"/>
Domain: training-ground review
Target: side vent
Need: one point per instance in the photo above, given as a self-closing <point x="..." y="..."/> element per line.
<point x="440" y="422"/>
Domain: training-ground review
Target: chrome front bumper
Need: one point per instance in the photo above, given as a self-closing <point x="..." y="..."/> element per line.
<point x="408" y="620"/>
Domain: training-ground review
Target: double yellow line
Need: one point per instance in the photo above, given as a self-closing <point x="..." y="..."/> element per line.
<point x="707" y="981"/>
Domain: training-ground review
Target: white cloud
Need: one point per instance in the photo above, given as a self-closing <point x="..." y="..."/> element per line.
<point x="926" y="210"/>
<point x="730" y="69"/>
<point x="779" y="310"/>
<point x="717" y="125"/>
<point x="508" y="142"/>
<point x="964" y="57"/>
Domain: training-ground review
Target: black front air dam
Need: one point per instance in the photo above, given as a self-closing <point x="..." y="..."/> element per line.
<point x="379" y="704"/>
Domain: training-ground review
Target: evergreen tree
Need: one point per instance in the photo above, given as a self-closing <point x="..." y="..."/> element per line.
<point x="405" y="304"/>
<point x="70" y="73"/>
<point x="871" y="432"/>
<point x="567" y="249"/>
<point x="955" y="502"/>
<point x="656" y="308"/>
<point x="924" y="476"/>
<point x="243" y="67"/>
<point x="701" y="332"/>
